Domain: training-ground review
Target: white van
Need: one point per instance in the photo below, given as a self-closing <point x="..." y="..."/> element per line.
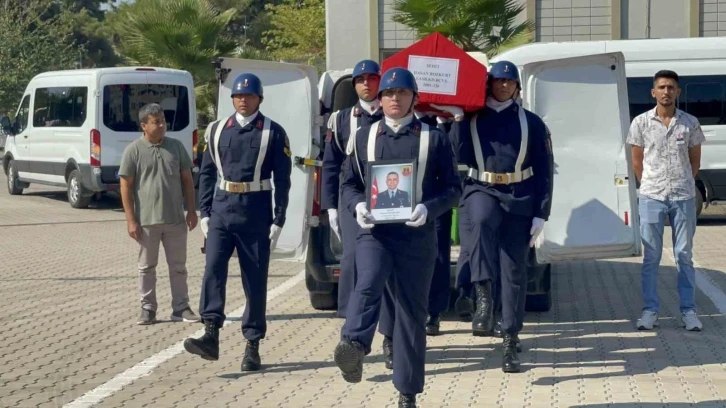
<point x="593" y="213"/>
<point x="72" y="127"/>
<point x="701" y="67"/>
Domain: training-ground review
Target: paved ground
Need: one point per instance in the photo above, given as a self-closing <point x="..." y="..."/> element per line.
<point x="68" y="293"/>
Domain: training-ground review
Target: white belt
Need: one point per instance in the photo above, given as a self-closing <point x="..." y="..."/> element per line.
<point x="501" y="178"/>
<point x="245" y="187"/>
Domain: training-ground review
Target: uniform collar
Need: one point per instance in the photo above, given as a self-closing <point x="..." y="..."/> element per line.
<point x="244" y="121"/>
<point x="499" y="106"/>
<point x="413" y="126"/>
<point x="369" y="107"/>
<point x="256" y="119"/>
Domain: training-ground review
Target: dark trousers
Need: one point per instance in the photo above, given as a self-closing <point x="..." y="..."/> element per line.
<point x="439" y="292"/>
<point x="253" y="251"/>
<point x="380" y="263"/>
<point x="499" y="249"/>
<point x="463" y="270"/>
<point x="349" y="230"/>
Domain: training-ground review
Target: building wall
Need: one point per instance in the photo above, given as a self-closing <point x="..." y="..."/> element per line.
<point x="573" y="20"/>
<point x="350" y="32"/>
<point x="712" y="18"/>
<point x="656" y="19"/>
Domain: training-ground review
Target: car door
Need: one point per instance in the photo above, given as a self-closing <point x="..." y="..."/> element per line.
<point x="583" y="102"/>
<point x="291" y="99"/>
<point x="20" y="146"/>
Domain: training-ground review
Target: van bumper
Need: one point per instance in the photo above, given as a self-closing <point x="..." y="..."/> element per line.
<point x="97" y="179"/>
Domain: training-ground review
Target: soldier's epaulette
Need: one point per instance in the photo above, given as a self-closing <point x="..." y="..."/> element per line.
<point x="230" y="123"/>
<point x="417" y="129"/>
<point x="356" y="111"/>
<point x="381" y="129"/>
<point x="259" y="124"/>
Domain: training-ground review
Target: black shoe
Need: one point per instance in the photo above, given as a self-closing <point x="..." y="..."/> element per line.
<point x="510" y="360"/>
<point x="251" y="361"/>
<point x="482" y="324"/>
<point x="406" y="400"/>
<point x="464" y="308"/>
<point x="497" y="332"/>
<point x="206" y="346"/>
<point x="432" y="326"/>
<point x="388" y="351"/>
<point x="349" y="359"/>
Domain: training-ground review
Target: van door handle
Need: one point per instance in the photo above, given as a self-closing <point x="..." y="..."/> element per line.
<point x="25" y="137"/>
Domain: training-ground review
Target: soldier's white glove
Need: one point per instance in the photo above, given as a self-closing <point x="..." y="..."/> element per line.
<point x="456" y="111"/>
<point x="537" y="227"/>
<point x="333" y="219"/>
<point x="274" y="235"/>
<point x="362" y="216"/>
<point x="205" y="226"/>
<point x="418" y="217"/>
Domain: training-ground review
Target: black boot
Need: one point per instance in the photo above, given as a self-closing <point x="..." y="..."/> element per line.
<point x="483" y="322"/>
<point x="251" y="361"/>
<point x="349" y="359"/>
<point x="464" y="307"/>
<point x="388" y="351"/>
<point x="510" y="360"/>
<point x="432" y="326"/>
<point x="406" y="400"/>
<point x="498" y="328"/>
<point x="206" y="346"/>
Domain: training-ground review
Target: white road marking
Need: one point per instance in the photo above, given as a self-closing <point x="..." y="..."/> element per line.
<point x="145" y="367"/>
<point x="704" y="283"/>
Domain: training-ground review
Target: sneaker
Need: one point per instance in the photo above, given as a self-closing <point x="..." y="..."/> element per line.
<point x="147" y="317"/>
<point x="690" y="321"/>
<point x="185" y="315"/>
<point x="647" y="320"/>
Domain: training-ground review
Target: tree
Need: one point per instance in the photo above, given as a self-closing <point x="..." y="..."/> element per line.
<point x="474" y="25"/>
<point x="182" y="34"/>
<point x="298" y="31"/>
<point x="33" y="40"/>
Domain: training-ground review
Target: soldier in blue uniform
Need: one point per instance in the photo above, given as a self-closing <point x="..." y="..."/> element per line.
<point x="507" y="198"/>
<point x="398" y="255"/>
<point x="245" y="154"/>
<point x="341" y="125"/>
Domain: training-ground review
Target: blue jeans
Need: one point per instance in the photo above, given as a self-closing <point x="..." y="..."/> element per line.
<point x="682" y="214"/>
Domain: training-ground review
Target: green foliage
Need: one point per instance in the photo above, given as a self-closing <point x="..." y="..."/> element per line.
<point x="34" y="40"/>
<point x="474" y="25"/>
<point x="298" y="31"/>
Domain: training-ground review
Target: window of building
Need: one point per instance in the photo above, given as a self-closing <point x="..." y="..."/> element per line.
<point x="60" y="107"/>
<point x="121" y="105"/>
<point x="703" y="96"/>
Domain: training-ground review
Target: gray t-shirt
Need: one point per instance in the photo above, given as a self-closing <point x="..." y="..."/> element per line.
<point x="156" y="169"/>
<point x="667" y="172"/>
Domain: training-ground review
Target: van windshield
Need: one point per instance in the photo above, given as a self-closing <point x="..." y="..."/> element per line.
<point x="122" y="102"/>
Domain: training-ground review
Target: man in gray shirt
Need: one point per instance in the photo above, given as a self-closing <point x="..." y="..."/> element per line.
<point x="156" y="181"/>
<point x="666" y="146"/>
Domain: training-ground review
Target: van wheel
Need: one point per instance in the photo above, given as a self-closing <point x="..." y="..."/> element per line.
<point x="77" y="195"/>
<point x="324" y="301"/>
<point x="14" y="186"/>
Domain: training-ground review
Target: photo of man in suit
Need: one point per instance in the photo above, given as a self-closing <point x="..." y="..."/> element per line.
<point x="393" y="197"/>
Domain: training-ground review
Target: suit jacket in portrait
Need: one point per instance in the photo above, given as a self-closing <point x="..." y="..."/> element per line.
<point x="400" y="199"/>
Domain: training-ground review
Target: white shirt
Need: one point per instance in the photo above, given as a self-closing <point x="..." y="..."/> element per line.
<point x="245" y="120"/>
<point x="370" y="107"/>
<point x="667" y="172"/>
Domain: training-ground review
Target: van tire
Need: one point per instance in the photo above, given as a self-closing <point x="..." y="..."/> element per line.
<point x="14" y="186"/>
<point x="324" y="301"/>
<point x="78" y="197"/>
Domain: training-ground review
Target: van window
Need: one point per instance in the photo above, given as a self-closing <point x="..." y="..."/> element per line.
<point x="121" y="105"/>
<point x="21" y="119"/>
<point x="703" y="96"/>
<point x="60" y="107"/>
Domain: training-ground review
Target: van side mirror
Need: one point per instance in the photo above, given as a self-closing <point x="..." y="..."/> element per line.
<point x="5" y="123"/>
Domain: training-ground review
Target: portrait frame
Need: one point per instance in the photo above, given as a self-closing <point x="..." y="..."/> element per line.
<point x="387" y="210"/>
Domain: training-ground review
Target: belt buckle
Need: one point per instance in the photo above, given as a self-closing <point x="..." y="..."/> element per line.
<point x="499" y="178"/>
<point x="237" y="187"/>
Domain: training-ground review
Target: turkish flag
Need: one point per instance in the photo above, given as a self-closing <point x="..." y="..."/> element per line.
<point x="445" y="74"/>
<point x="374" y="193"/>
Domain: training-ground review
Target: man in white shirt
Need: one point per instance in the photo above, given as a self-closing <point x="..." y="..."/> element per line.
<point x="666" y="146"/>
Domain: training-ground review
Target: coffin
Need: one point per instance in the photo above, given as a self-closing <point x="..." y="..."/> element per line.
<point x="445" y="74"/>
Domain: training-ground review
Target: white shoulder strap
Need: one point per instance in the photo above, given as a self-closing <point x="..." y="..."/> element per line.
<point x="263" y="150"/>
<point x="372" y="142"/>
<point x="423" y="158"/>
<point x="214" y="151"/>
<point x="524" y="127"/>
<point x="353" y="125"/>
<point x="476" y="144"/>
<point x="333" y="125"/>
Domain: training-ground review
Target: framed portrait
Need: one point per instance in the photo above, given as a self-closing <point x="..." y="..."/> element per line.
<point x="390" y="193"/>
